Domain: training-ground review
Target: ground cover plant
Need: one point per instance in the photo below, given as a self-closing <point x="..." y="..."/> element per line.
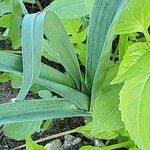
<point x="113" y="91"/>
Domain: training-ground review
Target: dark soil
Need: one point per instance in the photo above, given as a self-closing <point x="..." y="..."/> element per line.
<point x="57" y="126"/>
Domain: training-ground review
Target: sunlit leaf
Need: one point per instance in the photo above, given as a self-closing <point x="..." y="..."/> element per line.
<point x="19" y="131"/>
<point x="135" y="62"/>
<point x="134" y="107"/>
<point x="135" y="18"/>
<point x="30" y="145"/>
<point x="67" y="9"/>
<point x="99" y="39"/>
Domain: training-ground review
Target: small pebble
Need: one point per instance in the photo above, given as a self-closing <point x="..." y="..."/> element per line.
<point x="69" y="137"/>
<point x="71" y="142"/>
<point x="54" y="145"/>
<point x="98" y="143"/>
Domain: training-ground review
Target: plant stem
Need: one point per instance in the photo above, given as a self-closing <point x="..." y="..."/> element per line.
<point x="39" y="5"/>
<point x="116" y="146"/>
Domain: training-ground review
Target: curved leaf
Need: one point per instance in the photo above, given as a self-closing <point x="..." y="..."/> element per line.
<point x="34" y="110"/>
<point x="134" y="107"/>
<point x="30" y="145"/>
<point x="23" y="129"/>
<point x="69" y="9"/>
<point x="106" y="114"/>
<point x="135" y="62"/>
<point x="12" y="63"/>
<point x="99" y="41"/>
<point x="61" y="46"/>
<point x="31" y="51"/>
<point x="135" y="18"/>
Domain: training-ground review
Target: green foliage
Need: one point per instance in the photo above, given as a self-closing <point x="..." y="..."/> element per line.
<point x="99" y="40"/>
<point x="5" y="77"/>
<point x="67" y="9"/>
<point x="103" y="119"/>
<point x="35" y="110"/>
<point x="11" y="18"/>
<point x="45" y="94"/>
<point x="134" y="62"/>
<point x="134" y="106"/>
<point x="116" y="110"/>
<point x="30" y="145"/>
<point x="23" y="129"/>
<point x="135" y="18"/>
<point x="77" y="37"/>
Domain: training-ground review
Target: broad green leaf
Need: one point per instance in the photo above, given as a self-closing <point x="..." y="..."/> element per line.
<point x="6" y="7"/>
<point x="31" y="51"/>
<point x="99" y="41"/>
<point x="45" y="94"/>
<point x="77" y="38"/>
<point x="69" y="9"/>
<point x="19" y="131"/>
<point x="34" y="110"/>
<point x="16" y="81"/>
<point x="135" y="18"/>
<point x="72" y="26"/>
<point x="50" y="78"/>
<point x="5" y="77"/>
<point x="12" y="63"/>
<point x="12" y="21"/>
<point x="110" y="75"/>
<point x="86" y="130"/>
<point x="30" y="145"/>
<point x="134" y="107"/>
<point x="106" y="114"/>
<point x="135" y="62"/>
<point x="80" y="99"/>
<point x="61" y="46"/>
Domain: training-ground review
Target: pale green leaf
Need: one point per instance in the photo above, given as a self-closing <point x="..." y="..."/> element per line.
<point x="135" y="18"/>
<point x="99" y="41"/>
<point x="49" y="78"/>
<point x="45" y="94"/>
<point x="5" y="77"/>
<point x="72" y="26"/>
<point x="34" y="110"/>
<point x="86" y="130"/>
<point x="16" y="81"/>
<point x="61" y="46"/>
<point x="30" y="145"/>
<point x="110" y="75"/>
<point x="134" y="107"/>
<point x="69" y="9"/>
<point x="135" y="62"/>
<point x="6" y="7"/>
<point x="19" y="131"/>
<point x="31" y="51"/>
<point x="80" y="99"/>
<point x="106" y="114"/>
<point x="77" y="38"/>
